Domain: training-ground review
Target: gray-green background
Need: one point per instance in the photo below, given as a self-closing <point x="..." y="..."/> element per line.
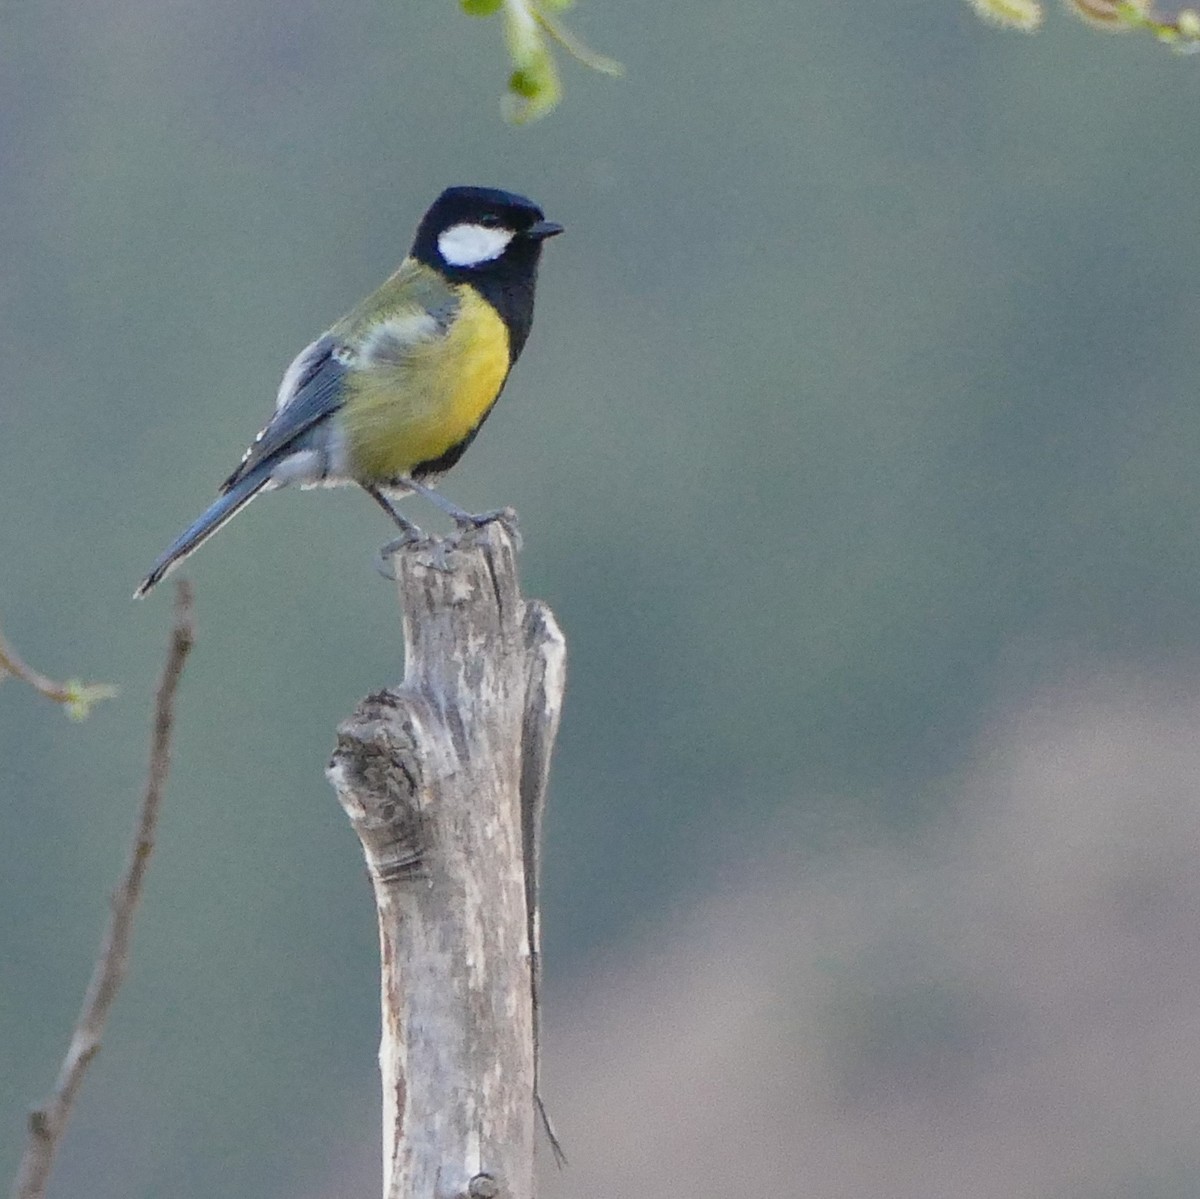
<point x="861" y="406"/>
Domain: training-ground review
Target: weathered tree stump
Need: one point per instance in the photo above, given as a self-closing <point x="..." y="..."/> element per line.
<point x="444" y="780"/>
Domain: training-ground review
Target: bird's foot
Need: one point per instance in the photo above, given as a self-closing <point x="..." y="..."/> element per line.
<point x="460" y="516"/>
<point x="505" y="517"/>
<point x="385" y="553"/>
<point x="476" y="520"/>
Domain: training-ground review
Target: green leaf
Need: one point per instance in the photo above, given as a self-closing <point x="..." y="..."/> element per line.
<point x="534" y="87"/>
<point x="82" y="696"/>
<point x="524" y="84"/>
<point x="1016" y="14"/>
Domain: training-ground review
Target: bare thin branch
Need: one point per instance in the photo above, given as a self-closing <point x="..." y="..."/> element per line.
<point x="47" y="1123"/>
<point x="77" y="697"/>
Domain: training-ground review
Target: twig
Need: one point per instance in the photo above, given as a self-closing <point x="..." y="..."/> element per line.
<point x="75" y="696"/>
<point x="47" y="1123"/>
<point x="576" y="48"/>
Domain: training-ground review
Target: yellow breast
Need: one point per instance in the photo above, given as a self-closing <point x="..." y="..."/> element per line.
<point x="405" y="409"/>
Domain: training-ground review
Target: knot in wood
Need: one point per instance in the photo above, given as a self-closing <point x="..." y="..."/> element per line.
<point x="483" y="1186"/>
<point x="374" y="770"/>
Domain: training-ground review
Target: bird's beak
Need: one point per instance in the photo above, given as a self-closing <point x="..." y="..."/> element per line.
<point x="540" y="230"/>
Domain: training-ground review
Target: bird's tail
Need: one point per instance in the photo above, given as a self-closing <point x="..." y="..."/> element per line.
<point x="216" y="516"/>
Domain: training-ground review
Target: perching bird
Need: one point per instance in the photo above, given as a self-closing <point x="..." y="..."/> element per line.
<point x="391" y="396"/>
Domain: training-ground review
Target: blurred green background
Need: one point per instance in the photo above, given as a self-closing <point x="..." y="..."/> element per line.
<point x="860" y="406"/>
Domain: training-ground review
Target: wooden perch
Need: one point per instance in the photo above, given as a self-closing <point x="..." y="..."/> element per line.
<point x="444" y="781"/>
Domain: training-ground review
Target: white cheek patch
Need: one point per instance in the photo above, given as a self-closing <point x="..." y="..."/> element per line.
<point x="469" y="245"/>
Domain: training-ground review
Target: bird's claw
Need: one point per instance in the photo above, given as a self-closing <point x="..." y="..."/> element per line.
<point x="464" y="520"/>
<point x="383" y="556"/>
<point x="476" y="520"/>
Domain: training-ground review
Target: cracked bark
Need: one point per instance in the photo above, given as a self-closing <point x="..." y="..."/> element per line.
<point x="444" y="780"/>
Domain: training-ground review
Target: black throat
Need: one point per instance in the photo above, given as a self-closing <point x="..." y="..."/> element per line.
<point x="512" y="297"/>
<point x="507" y="283"/>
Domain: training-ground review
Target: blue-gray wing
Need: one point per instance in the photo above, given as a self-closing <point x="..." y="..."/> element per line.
<point x="311" y="390"/>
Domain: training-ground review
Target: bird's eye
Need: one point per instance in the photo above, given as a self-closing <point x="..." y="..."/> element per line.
<point x="489" y="220"/>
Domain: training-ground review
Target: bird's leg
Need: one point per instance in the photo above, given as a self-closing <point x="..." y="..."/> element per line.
<point x="408" y="533"/>
<point x="460" y="516"/>
<point x="405" y="525"/>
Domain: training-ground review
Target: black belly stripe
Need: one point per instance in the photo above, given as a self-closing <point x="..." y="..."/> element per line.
<point x="443" y="462"/>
